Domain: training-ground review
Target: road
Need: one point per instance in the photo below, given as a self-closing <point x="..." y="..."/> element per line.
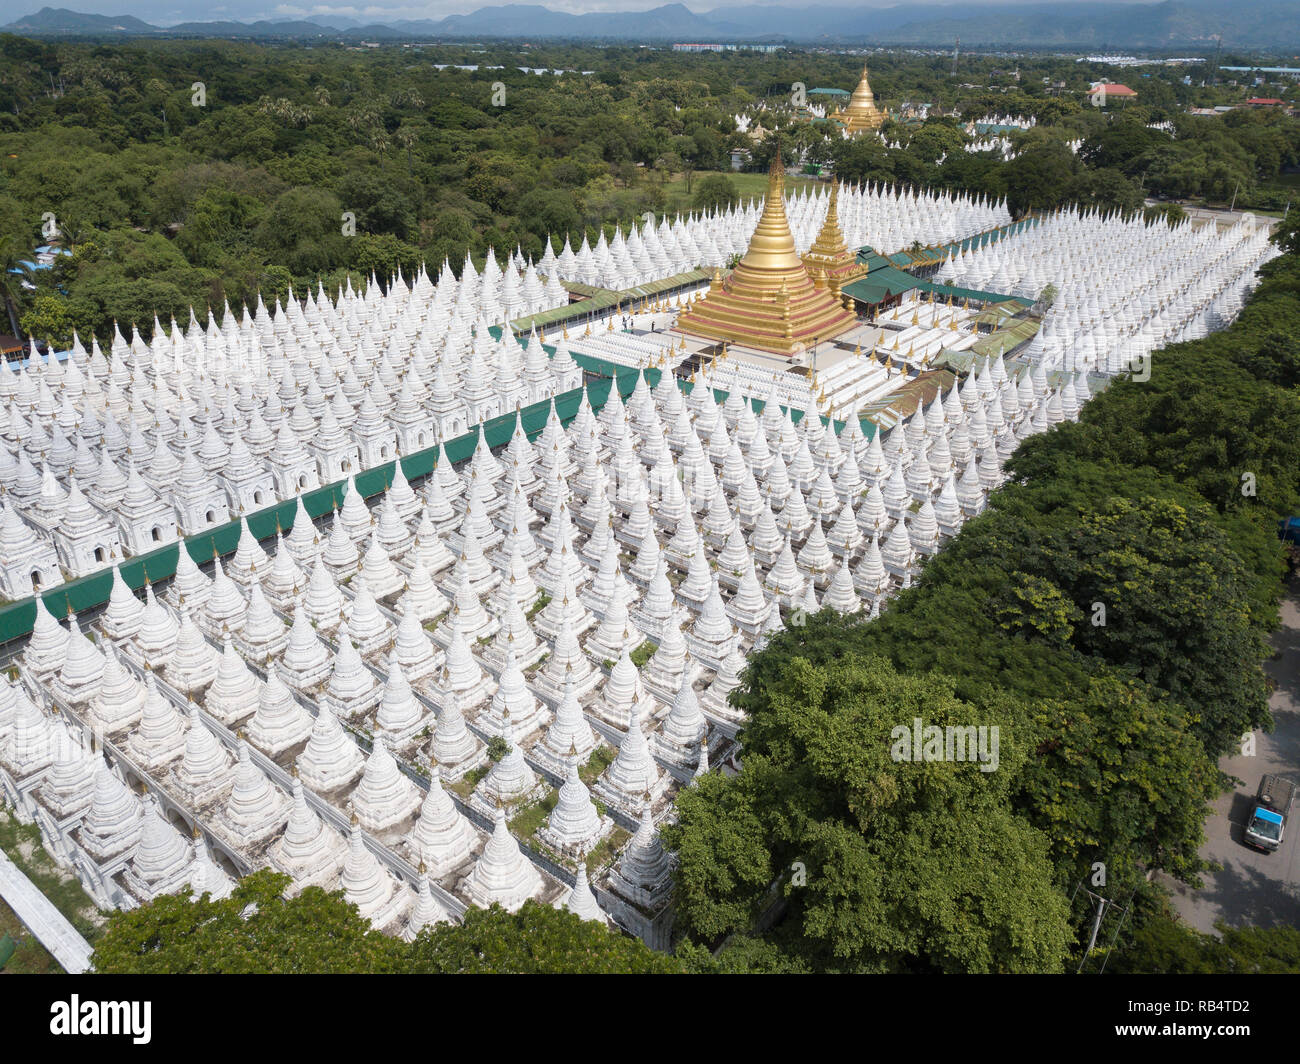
<point x="1220" y="216"/>
<point x="1254" y="887"/>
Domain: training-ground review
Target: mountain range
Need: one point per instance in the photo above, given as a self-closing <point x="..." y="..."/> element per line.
<point x="1171" y="24"/>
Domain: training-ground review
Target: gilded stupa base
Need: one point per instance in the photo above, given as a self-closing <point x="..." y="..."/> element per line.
<point x="770" y="301"/>
<point x="724" y="317"/>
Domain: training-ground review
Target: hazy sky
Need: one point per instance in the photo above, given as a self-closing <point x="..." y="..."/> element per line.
<point x="167" y="12"/>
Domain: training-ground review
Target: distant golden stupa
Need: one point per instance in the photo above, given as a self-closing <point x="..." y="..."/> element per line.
<point x="770" y="301"/>
<point x="861" y="113"/>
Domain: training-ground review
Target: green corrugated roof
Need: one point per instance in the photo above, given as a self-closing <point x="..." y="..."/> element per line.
<point x="1006" y="339"/>
<point x="901" y="402"/>
<point x="972" y="293"/>
<point x="883" y="278"/>
<point x="996" y="314"/>
<point x="878" y="286"/>
<point x="601" y="299"/>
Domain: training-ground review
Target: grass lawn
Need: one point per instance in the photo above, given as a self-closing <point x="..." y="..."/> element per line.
<point x="465" y="785"/>
<point x="600" y="760"/>
<point x="533" y="816"/>
<point x="606" y="849"/>
<point x="750" y="186"/>
<point x="30" y="958"/>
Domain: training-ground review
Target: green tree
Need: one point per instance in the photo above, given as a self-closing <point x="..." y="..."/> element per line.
<point x="303" y="231"/>
<point x="1164" y="946"/>
<point x="885" y="864"/>
<point x="538" y="939"/>
<point x="714" y="192"/>
<point x="255" y="930"/>
<point x="258" y="930"/>
<point x="52" y="318"/>
<point x="13" y="272"/>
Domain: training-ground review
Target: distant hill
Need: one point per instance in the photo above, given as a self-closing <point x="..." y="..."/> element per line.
<point x="1171" y="24"/>
<point x="297" y="28"/>
<point x="52" y="20"/>
<point x="670" y="22"/>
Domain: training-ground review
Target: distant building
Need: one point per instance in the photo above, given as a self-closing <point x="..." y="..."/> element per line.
<point x="1285" y="72"/>
<point x="1102" y="92"/>
<point x="1265" y="101"/>
<point x="727" y="47"/>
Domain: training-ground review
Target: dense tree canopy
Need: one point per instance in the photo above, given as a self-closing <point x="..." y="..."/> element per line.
<point x="899" y="865"/>
<point x="200" y="199"/>
<point x="258" y="930"/>
<point x="1163" y="947"/>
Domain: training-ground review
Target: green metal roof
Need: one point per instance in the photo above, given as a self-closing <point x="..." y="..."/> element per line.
<point x="901" y="403"/>
<point x="597" y="300"/>
<point x="996" y="314"/>
<point x="934" y="254"/>
<point x="884" y="275"/>
<point x="1006" y="339"/>
<point x="972" y="293"/>
<point x="878" y="286"/>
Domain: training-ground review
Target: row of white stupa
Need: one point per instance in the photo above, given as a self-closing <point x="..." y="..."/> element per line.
<point x="336" y="624"/>
<point x="104" y="456"/>
<point x="884" y="217"/>
<point x="1001" y="145"/>
<point x="1123" y="288"/>
<point x="1002" y="122"/>
<point x="306" y="395"/>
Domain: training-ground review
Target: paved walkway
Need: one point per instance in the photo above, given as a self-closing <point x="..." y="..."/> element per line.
<point x="1254" y="887"/>
<point x="44" y="921"/>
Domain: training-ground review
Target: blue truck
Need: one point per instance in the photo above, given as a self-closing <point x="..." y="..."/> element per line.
<point x="1264" y="830"/>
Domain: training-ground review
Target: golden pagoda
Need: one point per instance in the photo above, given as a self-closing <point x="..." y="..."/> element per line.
<point x="830" y="263"/>
<point x="769" y="302"/>
<point x="861" y="114"/>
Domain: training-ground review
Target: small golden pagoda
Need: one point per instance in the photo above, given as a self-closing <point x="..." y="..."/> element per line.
<point x="769" y="302"/>
<point x="830" y="263"/>
<point x="861" y="114"/>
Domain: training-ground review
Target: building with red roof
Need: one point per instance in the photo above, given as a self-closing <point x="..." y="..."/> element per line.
<point x="1104" y="91"/>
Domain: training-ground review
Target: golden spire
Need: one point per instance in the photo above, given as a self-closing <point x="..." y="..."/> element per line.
<point x="769" y="302"/>
<point x="861" y="113"/>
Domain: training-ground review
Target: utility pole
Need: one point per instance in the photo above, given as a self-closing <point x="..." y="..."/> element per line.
<point x="1234" y="196"/>
<point x="1105" y="906"/>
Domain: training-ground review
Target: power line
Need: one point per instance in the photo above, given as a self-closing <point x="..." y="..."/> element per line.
<point x="1107" y="910"/>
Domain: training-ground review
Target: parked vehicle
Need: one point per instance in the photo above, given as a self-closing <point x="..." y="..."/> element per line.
<point x="1267" y="823"/>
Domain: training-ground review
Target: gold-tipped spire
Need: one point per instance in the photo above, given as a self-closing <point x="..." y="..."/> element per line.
<point x="769" y="302"/>
<point x="861" y="114"/>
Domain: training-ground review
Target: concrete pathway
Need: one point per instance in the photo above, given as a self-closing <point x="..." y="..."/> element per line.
<point x="44" y="921"/>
